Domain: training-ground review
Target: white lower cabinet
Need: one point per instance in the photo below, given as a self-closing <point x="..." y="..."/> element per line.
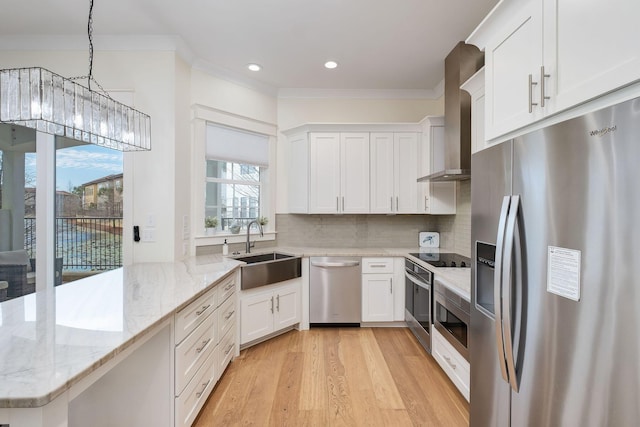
<point x="205" y="343"/>
<point x="381" y="291"/>
<point x="269" y="309"/>
<point x="452" y="362"/>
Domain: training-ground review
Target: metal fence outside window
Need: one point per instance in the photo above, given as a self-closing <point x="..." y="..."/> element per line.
<point x="83" y="243"/>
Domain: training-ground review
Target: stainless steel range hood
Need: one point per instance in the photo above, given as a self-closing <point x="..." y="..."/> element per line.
<point x="461" y="63"/>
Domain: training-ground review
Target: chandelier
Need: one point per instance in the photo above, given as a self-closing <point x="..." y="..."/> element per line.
<point x="45" y="101"/>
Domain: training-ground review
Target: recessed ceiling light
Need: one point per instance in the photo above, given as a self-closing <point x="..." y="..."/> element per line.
<point x="330" y="64"/>
<point x="254" y="67"/>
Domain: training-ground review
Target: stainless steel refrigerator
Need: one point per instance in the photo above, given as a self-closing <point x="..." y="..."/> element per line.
<point x="555" y="316"/>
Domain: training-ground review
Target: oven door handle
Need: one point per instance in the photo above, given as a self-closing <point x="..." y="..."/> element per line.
<point x="417" y="281"/>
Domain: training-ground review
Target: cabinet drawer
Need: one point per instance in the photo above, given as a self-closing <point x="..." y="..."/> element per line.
<point x="226" y="350"/>
<point x="192" y="315"/>
<point x="455" y="366"/>
<point x="377" y="265"/>
<point x="226" y="288"/>
<point x="189" y="403"/>
<point x="226" y="316"/>
<point x="193" y="350"/>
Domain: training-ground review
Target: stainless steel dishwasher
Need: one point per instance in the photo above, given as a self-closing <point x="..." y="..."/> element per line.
<point x="335" y="295"/>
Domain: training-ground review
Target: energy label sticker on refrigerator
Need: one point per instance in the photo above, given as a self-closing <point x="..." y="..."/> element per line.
<point x="563" y="272"/>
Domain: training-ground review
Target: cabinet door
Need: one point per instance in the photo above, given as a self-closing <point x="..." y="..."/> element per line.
<point x="377" y="297"/>
<point x="354" y="158"/>
<point x="593" y="45"/>
<point x="513" y="55"/>
<point x="381" y="169"/>
<point x="298" y="174"/>
<point x="406" y="172"/>
<point x="324" y="173"/>
<point x="256" y="316"/>
<point x="287" y="303"/>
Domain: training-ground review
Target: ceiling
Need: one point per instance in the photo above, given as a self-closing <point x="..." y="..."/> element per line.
<point x="380" y="45"/>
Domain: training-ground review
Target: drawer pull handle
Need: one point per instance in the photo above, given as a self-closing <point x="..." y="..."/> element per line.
<point x="228" y="350"/>
<point x="204" y="308"/>
<point x="378" y="265"/>
<point x="205" y="385"/>
<point x="448" y="359"/>
<point x="204" y="344"/>
<point x="229" y="286"/>
<point x="228" y="316"/>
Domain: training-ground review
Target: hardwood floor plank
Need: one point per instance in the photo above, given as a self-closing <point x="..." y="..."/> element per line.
<point x="384" y="387"/>
<point x="335" y="377"/>
<point x="313" y="389"/>
<point x="338" y="398"/>
<point x="285" y="411"/>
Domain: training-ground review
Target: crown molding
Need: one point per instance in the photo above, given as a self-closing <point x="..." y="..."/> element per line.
<point x="233" y="77"/>
<point x="363" y="93"/>
<point x="102" y="42"/>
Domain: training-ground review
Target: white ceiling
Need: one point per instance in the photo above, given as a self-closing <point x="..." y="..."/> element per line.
<point x="380" y="45"/>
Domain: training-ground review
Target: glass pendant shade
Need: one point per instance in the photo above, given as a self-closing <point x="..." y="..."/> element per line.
<point x="45" y="101"/>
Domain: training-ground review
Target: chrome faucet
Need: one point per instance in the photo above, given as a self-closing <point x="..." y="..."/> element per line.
<point x="249" y="244"/>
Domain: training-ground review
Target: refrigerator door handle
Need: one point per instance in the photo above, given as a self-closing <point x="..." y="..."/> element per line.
<point x="510" y="237"/>
<point x="497" y="286"/>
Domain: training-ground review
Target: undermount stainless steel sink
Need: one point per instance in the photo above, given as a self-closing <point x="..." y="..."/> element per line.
<point x="265" y="269"/>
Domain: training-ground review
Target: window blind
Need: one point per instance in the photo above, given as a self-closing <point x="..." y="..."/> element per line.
<point x="234" y="145"/>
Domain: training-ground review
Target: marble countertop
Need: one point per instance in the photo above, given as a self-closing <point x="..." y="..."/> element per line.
<point x="51" y="340"/>
<point x="456" y="279"/>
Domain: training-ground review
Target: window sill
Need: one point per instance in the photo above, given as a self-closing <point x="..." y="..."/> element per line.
<point x="219" y="238"/>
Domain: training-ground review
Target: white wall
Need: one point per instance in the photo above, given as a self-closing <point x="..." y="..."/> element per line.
<point x="149" y="176"/>
<point x="223" y="95"/>
<point x="297" y="111"/>
<point x="183" y="154"/>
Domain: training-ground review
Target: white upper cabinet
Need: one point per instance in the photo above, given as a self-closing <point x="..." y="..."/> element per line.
<point x="475" y="87"/>
<point x="546" y="56"/>
<point x="382" y="172"/>
<point x="354" y="172"/>
<point x="591" y="47"/>
<point x="436" y="198"/>
<point x="355" y="168"/>
<point x="513" y="59"/>
<point x="324" y="173"/>
<point x="406" y="171"/>
<point x="339" y="173"/>
<point x="394" y="171"/>
<point x="298" y="173"/>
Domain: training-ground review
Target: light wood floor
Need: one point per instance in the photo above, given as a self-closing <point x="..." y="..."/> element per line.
<point x="336" y="377"/>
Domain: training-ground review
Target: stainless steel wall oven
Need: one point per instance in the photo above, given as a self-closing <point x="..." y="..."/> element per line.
<point x="418" y="297"/>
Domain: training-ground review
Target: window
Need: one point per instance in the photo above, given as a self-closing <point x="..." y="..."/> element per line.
<point x="233" y="192"/>
<point x="236" y="170"/>
<point x="51" y="173"/>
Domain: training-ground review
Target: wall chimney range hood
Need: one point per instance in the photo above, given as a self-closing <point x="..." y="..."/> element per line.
<point x="461" y="63"/>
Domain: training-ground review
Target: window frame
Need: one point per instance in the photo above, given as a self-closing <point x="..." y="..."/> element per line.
<point x="193" y="229"/>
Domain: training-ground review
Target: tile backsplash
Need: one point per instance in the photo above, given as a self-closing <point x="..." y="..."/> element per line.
<point x="370" y="231"/>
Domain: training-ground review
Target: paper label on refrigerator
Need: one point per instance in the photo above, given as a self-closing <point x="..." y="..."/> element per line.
<point x="563" y="272"/>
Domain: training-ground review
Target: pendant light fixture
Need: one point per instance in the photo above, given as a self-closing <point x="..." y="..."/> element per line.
<point x="45" y="101"/>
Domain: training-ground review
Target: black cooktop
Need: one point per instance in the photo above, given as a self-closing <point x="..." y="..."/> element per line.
<point x="443" y="259"/>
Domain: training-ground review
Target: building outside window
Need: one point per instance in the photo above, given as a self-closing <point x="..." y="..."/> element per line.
<point x="236" y="170"/>
<point x="85" y="241"/>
